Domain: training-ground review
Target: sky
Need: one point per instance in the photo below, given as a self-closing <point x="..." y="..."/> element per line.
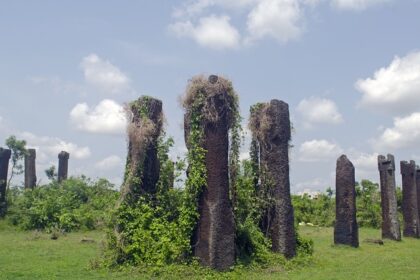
<point x="349" y="70"/>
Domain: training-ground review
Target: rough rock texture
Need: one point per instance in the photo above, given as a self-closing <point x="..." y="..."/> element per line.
<point x="409" y="203"/>
<point x="30" y="170"/>
<point x="213" y="242"/>
<point x="272" y="130"/>
<point x="63" y="165"/>
<point x="142" y="166"/>
<point x="390" y="223"/>
<point x="418" y="191"/>
<point x="4" y="167"/>
<point x="345" y="229"/>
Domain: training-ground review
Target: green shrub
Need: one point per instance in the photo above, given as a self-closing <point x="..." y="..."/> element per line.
<point x="73" y="204"/>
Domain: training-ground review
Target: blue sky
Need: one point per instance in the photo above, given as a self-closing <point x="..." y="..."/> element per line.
<point x="349" y="69"/>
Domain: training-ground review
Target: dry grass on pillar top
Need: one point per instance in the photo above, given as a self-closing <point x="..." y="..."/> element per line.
<point x="211" y="109"/>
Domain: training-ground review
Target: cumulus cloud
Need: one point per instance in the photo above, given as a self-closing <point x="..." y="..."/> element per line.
<point x="107" y="117"/>
<point x="109" y="163"/>
<point x="315" y="110"/>
<point x="356" y="4"/>
<point x="318" y="150"/>
<point x="282" y="20"/>
<point x="194" y="8"/>
<point x="278" y="19"/>
<point x="214" y="32"/>
<point x="103" y="75"/>
<point x="395" y="87"/>
<point x="51" y="146"/>
<point x="404" y="134"/>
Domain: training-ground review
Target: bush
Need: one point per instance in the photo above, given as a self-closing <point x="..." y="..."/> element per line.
<point x="76" y="203"/>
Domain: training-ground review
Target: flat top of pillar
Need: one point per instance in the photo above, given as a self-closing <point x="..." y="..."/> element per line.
<point x="5" y="152"/>
<point x="408" y="167"/>
<point x="279" y="103"/>
<point x="386" y="163"/>
<point x="343" y="160"/>
<point x="63" y="154"/>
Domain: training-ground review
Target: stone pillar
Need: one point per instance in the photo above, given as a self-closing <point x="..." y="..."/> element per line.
<point x="213" y="241"/>
<point x="30" y="169"/>
<point x="142" y="167"/>
<point x="273" y="135"/>
<point x="390" y="223"/>
<point x="63" y="165"/>
<point x="4" y="167"/>
<point x="345" y="229"/>
<point x="418" y="192"/>
<point x="409" y="203"/>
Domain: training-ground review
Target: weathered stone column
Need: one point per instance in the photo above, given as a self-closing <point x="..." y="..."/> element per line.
<point x="418" y="192"/>
<point x="345" y="229"/>
<point x="30" y="169"/>
<point x="270" y="124"/>
<point x="213" y="240"/>
<point x="4" y="167"/>
<point x="63" y="165"/>
<point x="142" y="167"/>
<point x="409" y="203"/>
<point x="390" y="223"/>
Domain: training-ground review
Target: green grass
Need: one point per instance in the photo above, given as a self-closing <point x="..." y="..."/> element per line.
<point x="31" y="255"/>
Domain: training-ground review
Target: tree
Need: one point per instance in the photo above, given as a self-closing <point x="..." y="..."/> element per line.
<point x="50" y="172"/>
<point x="18" y="153"/>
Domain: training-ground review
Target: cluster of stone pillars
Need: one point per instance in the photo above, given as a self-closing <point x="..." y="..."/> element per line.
<point x="410" y="201"/>
<point x="29" y="168"/>
<point x="213" y="240"/>
<point x="346" y="229"/>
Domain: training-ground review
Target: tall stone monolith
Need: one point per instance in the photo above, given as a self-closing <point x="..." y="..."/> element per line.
<point x="4" y="167"/>
<point x="390" y="223"/>
<point x="142" y="166"/>
<point x="270" y="125"/>
<point x="63" y="166"/>
<point x="211" y="101"/>
<point x="409" y="203"/>
<point x="345" y="229"/>
<point x="30" y="169"/>
<point x="418" y="191"/>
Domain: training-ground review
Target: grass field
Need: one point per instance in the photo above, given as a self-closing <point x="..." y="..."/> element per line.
<point x="31" y="255"/>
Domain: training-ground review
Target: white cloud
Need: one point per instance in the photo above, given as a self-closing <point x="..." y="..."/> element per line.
<point x="356" y="4"/>
<point x="51" y="146"/>
<point x="366" y="161"/>
<point x="104" y="75"/>
<point x="318" y="150"/>
<point x="279" y="19"/>
<point x="396" y="87"/>
<point x="194" y="8"/>
<point x="405" y="133"/>
<point x="315" y="110"/>
<point x="109" y="163"/>
<point x="311" y="187"/>
<point x="107" y="117"/>
<point x="214" y="32"/>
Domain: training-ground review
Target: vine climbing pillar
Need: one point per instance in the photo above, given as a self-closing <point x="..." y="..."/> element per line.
<point x="270" y="125"/>
<point x="142" y="165"/>
<point x="208" y="105"/>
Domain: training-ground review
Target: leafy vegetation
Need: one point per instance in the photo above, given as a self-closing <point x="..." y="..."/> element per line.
<point x="18" y="149"/>
<point x="76" y="203"/>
